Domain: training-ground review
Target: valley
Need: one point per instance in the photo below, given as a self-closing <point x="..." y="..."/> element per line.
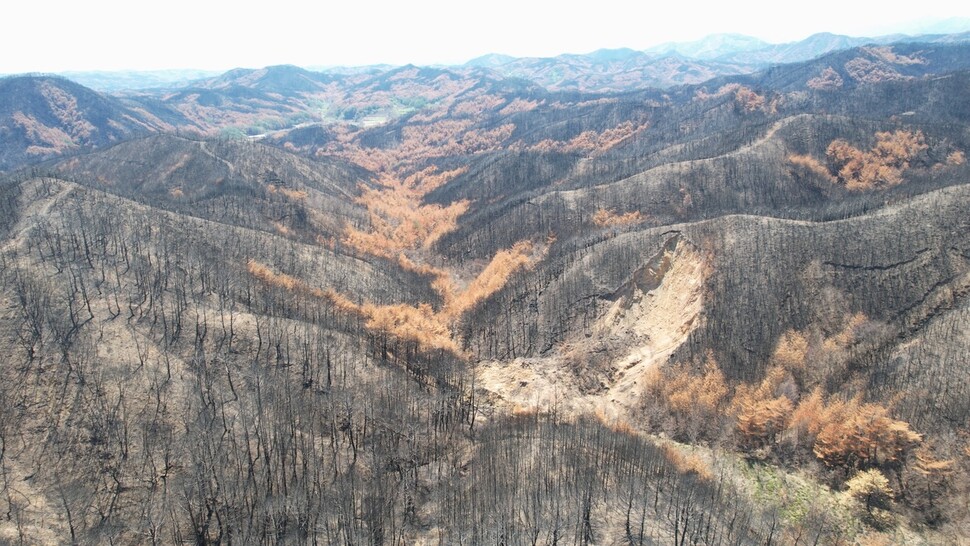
<point x="503" y="302"/>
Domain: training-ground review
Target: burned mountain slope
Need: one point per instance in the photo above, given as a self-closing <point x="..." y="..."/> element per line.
<point x="903" y="269"/>
<point x="45" y="116"/>
<point x="234" y="182"/>
<point x="160" y="388"/>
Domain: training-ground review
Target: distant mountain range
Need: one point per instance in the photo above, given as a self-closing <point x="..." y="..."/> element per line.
<point x="49" y="116"/>
<point x="605" y="70"/>
<point x="111" y="81"/>
<point x="608" y="70"/>
<point x="671" y="64"/>
<point x="710" y="47"/>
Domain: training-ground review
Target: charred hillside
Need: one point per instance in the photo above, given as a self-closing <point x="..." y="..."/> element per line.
<point x="233" y="182"/>
<point x="426" y="305"/>
<point x="259" y="390"/>
<point x="714" y="154"/>
<point x="46" y="116"/>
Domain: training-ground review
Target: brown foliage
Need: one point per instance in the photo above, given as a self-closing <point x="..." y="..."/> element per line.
<point x="399" y="221"/>
<point x="745" y="98"/>
<point x="887" y="54"/>
<point x="402" y="228"/>
<point x="841" y="433"/>
<point x="609" y="218"/>
<point x="855" y="434"/>
<point x="760" y="412"/>
<point x="813" y="358"/>
<point x="64" y="107"/>
<point x="616" y="424"/>
<point x="881" y="167"/>
<point x="268" y="276"/>
<point x="425" y="181"/>
<point x="806" y="164"/>
<point x="525" y="412"/>
<point x="827" y="80"/>
<point x="805" y="422"/>
<point x="491" y="279"/>
<point x="791" y="352"/>
<point x="47" y="139"/>
<point x="956" y="158"/>
<point x="431" y="329"/>
<point x="295" y="195"/>
<point x="748" y="100"/>
<point x="288" y="282"/>
<point x="282" y="230"/>
<point x="589" y="142"/>
<point x="688" y="463"/>
<point x="928" y="464"/>
<point x="703" y="394"/>
<point x="447" y="137"/>
<point x="695" y="402"/>
<point x="476" y="106"/>
<point x="419" y="324"/>
<point x="518" y="105"/>
<point x="866" y="71"/>
<point x="418" y="143"/>
<point x="702" y="94"/>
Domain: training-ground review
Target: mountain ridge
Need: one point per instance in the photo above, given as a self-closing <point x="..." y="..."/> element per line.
<point x="746" y="51"/>
<point x="447" y="306"/>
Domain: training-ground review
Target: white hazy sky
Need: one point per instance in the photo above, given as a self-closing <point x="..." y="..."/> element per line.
<point x="61" y="35"/>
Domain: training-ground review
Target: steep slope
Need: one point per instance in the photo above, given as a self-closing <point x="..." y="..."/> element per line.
<point x="737" y="161"/>
<point x="45" y="116"/>
<point x="593" y="322"/>
<point x="164" y="386"/>
<point x="164" y="319"/>
<point x="235" y="182"/>
<point x="479" y="311"/>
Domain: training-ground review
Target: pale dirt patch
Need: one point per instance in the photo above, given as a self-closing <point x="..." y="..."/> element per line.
<point x="656" y="322"/>
<point x="36" y="208"/>
<point x="37" y="522"/>
<point x="652" y="315"/>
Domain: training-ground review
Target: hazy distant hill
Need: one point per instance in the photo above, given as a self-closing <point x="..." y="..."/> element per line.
<point x="816" y="45"/>
<point x="929" y="27"/>
<point x="46" y="116"/>
<point x="672" y="64"/>
<point x="490" y="60"/>
<point x="282" y="79"/>
<point x="109" y="81"/>
<point x="260" y="102"/>
<point x="711" y="47"/>
<point x="610" y="70"/>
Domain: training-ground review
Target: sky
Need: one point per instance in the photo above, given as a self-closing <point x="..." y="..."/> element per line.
<point x="77" y="35"/>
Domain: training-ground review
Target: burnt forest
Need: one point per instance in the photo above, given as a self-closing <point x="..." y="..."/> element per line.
<point x="604" y="299"/>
